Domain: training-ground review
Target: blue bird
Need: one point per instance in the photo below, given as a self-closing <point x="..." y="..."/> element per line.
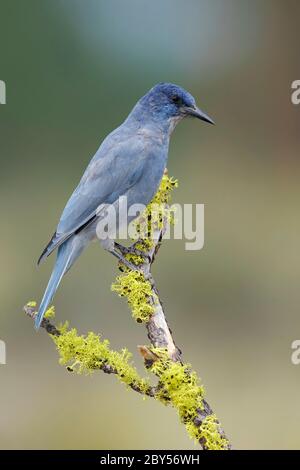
<point x="130" y="162"/>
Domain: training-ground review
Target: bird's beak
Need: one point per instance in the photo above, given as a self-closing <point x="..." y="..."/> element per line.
<point x="196" y="112"/>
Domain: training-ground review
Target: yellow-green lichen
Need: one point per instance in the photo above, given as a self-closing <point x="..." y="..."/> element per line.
<point x="137" y="260"/>
<point x="85" y="354"/>
<point x="181" y="384"/>
<point x="163" y="195"/>
<point x="181" y="387"/>
<point x="157" y="210"/>
<point x="138" y="292"/>
<point x="132" y="284"/>
<point x="50" y="312"/>
<point x="208" y="433"/>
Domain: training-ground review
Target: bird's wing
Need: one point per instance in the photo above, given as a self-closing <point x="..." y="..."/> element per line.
<point x="112" y="171"/>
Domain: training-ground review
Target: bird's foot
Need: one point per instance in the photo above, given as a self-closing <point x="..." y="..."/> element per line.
<point x="123" y="260"/>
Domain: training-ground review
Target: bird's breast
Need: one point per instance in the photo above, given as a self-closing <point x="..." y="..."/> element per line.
<point x="151" y="136"/>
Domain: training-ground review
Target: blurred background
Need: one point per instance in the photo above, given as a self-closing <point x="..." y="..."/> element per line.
<point x="73" y="71"/>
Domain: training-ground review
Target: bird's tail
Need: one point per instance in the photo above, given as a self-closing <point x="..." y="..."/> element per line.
<point x="67" y="253"/>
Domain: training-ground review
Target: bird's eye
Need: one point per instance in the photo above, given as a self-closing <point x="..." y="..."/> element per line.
<point x="176" y="99"/>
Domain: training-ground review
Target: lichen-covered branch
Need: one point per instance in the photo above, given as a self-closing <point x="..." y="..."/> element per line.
<point x="177" y="384"/>
<point x="86" y="354"/>
<point x="151" y="228"/>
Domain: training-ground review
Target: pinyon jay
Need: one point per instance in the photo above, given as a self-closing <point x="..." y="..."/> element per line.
<point x="130" y="162"/>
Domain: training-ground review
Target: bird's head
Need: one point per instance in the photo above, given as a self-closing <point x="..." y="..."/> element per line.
<point x="171" y="103"/>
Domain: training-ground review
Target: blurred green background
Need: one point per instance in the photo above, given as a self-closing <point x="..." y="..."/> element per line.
<point x="73" y="70"/>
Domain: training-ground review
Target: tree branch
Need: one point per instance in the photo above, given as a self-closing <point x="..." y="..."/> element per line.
<point x="178" y="384"/>
<point x="159" y="333"/>
<point x="52" y="330"/>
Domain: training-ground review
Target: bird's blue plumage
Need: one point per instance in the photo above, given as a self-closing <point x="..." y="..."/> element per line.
<point x="130" y="162"/>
